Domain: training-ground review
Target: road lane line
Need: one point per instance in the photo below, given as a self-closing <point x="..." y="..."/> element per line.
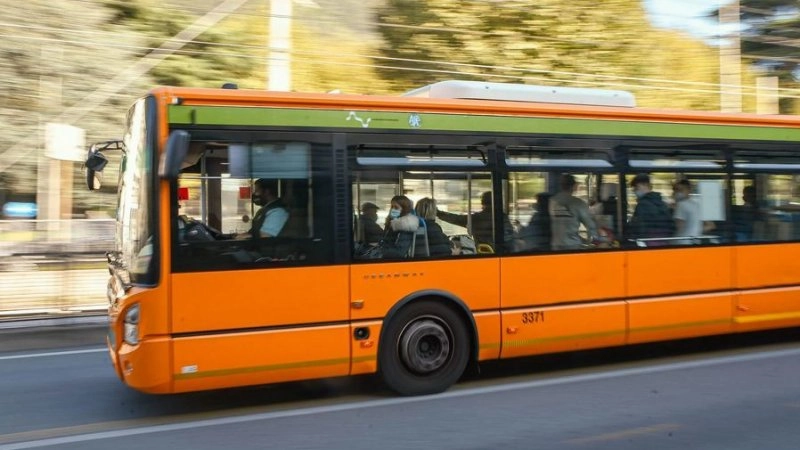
<point x="625" y="434"/>
<point x="469" y="392"/>
<point x="41" y="355"/>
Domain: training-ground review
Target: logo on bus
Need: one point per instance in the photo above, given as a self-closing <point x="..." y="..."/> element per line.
<point x="414" y="120"/>
<point x="354" y="116"/>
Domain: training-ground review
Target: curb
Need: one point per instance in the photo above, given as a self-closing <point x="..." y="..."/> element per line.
<point x="27" y="323"/>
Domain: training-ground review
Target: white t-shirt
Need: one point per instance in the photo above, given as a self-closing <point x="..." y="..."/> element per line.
<point x="688" y="211"/>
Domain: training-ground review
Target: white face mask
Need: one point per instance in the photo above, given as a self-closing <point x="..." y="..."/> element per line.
<point x="680" y="196"/>
<point x="639" y="193"/>
<point x="394" y="213"/>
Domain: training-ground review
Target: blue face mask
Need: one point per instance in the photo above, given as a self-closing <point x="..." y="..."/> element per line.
<point x="394" y="213"/>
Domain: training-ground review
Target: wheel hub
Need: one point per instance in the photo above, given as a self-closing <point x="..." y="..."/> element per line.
<point x="424" y="346"/>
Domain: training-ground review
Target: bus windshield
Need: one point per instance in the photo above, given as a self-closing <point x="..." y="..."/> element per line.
<point x="134" y="242"/>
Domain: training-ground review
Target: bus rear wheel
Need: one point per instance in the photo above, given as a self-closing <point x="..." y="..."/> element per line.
<point x="425" y="349"/>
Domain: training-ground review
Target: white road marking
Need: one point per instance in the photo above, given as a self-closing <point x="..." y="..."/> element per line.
<point x="40" y="355"/>
<point x="400" y="401"/>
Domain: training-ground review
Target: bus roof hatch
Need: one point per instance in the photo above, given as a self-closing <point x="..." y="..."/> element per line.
<point x="480" y="90"/>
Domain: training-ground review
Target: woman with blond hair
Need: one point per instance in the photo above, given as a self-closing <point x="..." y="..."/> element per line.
<point x="438" y="242"/>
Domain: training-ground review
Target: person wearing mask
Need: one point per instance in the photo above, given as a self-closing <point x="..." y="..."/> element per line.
<point x="269" y="220"/>
<point x="567" y="213"/>
<point x="652" y="217"/>
<point x="688" y="222"/>
<point x="399" y="228"/>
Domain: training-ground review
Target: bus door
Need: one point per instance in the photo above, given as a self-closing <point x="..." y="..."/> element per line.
<point x="452" y="256"/>
<point x="563" y="283"/>
<point x="256" y="297"/>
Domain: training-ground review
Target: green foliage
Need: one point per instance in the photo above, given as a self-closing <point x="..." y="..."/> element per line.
<point x="546" y="42"/>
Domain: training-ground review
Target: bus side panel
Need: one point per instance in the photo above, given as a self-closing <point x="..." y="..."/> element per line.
<point x="379" y="287"/>
<point x="762" y="309"/>
<point x="489" y="335"/>
<point x="365" y="351"/>
<point x="285" y="297"/>
<point x="679" y="317"/>
<point x="563" y="328"/>
<point x="145" y="367"/>
<point x="769" y="265"/>
<point x="238" y="359"/>
<point x="671" y="271"/>
<point x="548" y="279"/>
<point x="758" y="268"/>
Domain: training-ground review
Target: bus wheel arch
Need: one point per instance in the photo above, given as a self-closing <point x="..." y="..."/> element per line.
<point x="426" y="343"/>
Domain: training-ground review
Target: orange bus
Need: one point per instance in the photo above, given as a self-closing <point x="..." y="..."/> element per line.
<point x="241" y="253"/>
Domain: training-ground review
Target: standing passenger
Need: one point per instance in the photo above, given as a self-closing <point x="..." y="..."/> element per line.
<point x="688" y="222"/>
<point x="567" y="213"/>
<point x="482" y="222"/>
<point x="652" y="217"/>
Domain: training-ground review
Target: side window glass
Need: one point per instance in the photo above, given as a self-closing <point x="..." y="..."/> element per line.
<point x="253" y="204"/>
<point x="671" y="209"/>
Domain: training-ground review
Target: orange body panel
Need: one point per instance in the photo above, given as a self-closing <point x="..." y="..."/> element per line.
<point x="142" y="366"/>
<point x="380" y="286"/>
<point x="679" y="317"/>
<point x="488" y="331"/>
<point x="685" y="269"/>
<point x="548" y="279"/>
<point x="563" y="328"/>
<point x="762" y="309"/>
<point x="259" y="298"/>
<point x="213" y="361"/>
<point x="365" y="351"/>
<point x="767" y="265"/>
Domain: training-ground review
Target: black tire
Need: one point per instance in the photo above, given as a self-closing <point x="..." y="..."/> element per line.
<point x="424" y="349"/>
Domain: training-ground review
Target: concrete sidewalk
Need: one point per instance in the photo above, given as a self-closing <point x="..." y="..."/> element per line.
<point x="52" y="333"/>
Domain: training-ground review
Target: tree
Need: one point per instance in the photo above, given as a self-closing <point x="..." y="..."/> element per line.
<point x="770" y="41"/>
<point x="546" y="42"/>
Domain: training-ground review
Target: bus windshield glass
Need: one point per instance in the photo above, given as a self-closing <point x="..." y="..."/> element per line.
<point x="134" y="212"/>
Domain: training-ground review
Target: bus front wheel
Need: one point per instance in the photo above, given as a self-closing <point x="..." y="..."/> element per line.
<point x="425" y="349"/>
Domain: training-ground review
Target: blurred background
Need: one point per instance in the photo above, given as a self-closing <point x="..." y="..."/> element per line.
<point x="71" y="68"/>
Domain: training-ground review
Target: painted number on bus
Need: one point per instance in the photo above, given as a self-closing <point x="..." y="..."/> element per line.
<point x="532" y="317"/>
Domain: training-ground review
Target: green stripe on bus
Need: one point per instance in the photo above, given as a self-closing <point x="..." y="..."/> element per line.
<point x="382" y="120"/>
<point x="534" y="341"/>
<point x="268" y="368"/>
<point x="704" y="323"/>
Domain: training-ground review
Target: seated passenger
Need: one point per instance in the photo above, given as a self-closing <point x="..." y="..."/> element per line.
<point x="438" y="242"/>
<point x="369" y="230"/>
<point x="269" y="220"/>
<point x="482" y="222"/>
<point x="400" y="227"/>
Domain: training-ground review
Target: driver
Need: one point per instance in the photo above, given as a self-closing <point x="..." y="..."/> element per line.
<point x="269" y="220"/>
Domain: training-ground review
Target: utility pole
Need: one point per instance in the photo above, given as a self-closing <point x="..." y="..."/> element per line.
<point x="279" y="67"/>
<point x="730" y="59"/>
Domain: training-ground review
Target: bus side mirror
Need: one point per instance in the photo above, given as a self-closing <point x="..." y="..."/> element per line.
<point x="173" y="156"/>
<point x="95" y="163"/>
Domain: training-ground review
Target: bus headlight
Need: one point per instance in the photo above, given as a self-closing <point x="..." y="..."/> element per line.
<point x="131" y="335"/>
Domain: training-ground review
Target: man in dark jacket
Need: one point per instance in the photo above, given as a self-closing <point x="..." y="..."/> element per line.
<point x="652" y="217"/>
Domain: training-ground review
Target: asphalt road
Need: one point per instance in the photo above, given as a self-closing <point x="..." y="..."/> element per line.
<point x="728" y="393"/>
